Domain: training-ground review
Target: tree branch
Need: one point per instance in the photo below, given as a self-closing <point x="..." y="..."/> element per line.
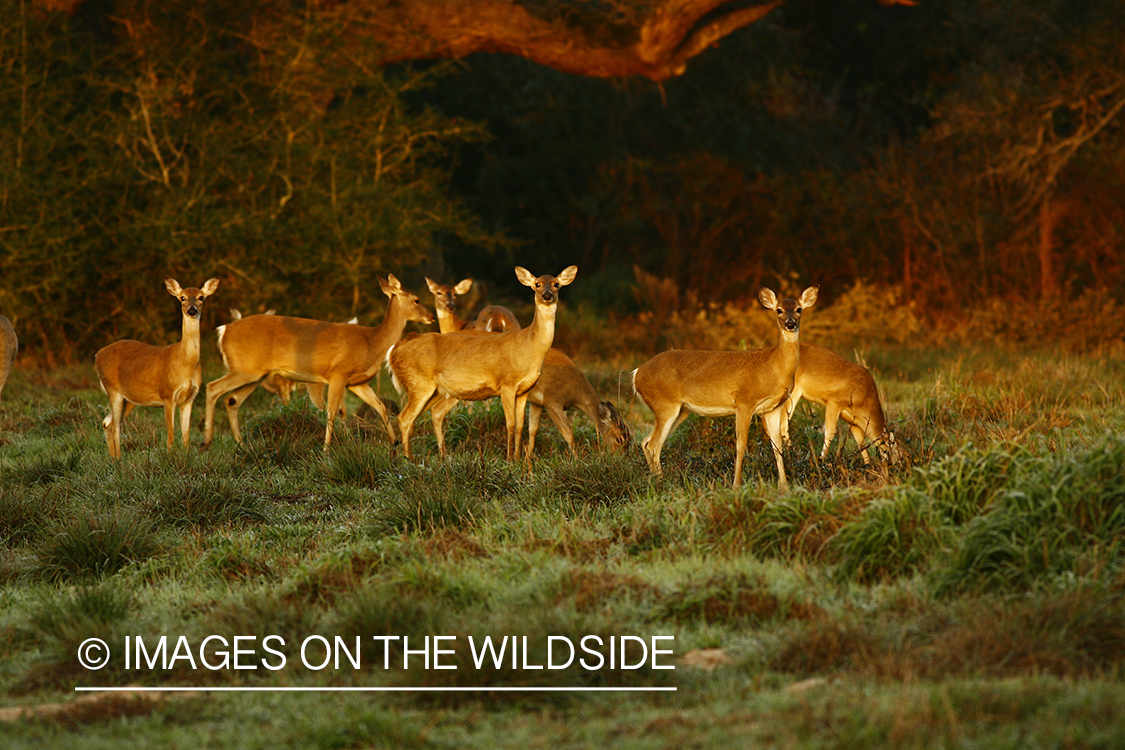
<point x="654" y="39"/>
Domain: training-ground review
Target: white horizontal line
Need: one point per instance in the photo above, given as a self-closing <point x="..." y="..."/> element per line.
<point x="373" y="689"/>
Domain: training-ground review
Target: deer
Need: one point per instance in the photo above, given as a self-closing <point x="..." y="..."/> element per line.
<point x="494" y="318"/>
<point x="9" y="345"/>
<point x="276" y="385"/>
<point x="436" y="370"/>
<point x="561" y="386"/>
<point x="680" y="382"/>
<point x="135" y="374"/>
<point x="845" y="390"/>
<point x="344" y="356"/>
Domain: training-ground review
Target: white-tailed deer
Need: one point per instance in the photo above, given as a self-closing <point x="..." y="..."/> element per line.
<point x="561" y="386"/>
<point x="494" y="318"/>
<point x="435" y="370"/>
<point x="680" y="382"/>
<point x="845" y="390"/>
<point x="135" y="374"/>
<point x="276" y="385"/>
<point x="342" y="355"/>
<point x="9" y="345"/>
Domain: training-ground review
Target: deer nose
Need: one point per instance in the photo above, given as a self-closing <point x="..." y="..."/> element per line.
<point x="193" y="311"/>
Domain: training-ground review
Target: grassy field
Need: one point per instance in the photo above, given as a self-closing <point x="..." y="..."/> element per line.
<point x="973" y="598"/>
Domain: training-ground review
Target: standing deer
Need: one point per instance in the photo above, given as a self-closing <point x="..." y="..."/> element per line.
<point x="134" y="374"/>
<point x="494" y="318"/>
<point x="680" y="382"/>
<point x="436" y="370"/>
<point x="845" y="390"/>
<point x="9" y="345"/>
<point x="275" y="384"/>
<point x="561" y="385"/>
<point x="342" y="355"/>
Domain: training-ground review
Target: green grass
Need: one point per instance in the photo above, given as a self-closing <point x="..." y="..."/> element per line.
<point x="973" y="597"/>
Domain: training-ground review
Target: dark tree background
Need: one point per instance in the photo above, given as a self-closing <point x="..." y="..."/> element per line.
<point x="959" y="150"/>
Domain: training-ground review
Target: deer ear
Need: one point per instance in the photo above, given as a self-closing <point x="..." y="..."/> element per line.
<point x="767" y="298"/>
<point x="390" y="286"/>
<point x="463" y="286"/>
<point x="210" y="286"/>
<point x="808" y="297"/>
<point x="567" y="275"/>
<point x="435" y="288"/>
<point x="173" y="287"/>
<point x="525" y="276"/>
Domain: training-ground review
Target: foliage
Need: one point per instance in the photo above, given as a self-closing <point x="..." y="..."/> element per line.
<point x="248" y="142"/>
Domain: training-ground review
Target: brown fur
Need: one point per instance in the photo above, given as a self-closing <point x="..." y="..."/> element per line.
<point x="135" y="374"/>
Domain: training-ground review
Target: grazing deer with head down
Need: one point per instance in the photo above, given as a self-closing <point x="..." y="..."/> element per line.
<point x="561" y="385"/>
<point x="9" y="345"/>
<point x="134" y="374"/>
<point x="680" y="382"/>
<point x="494" y="318"/>
<point x="342" y="355"/>
<point x="845" y="390"/>
<point x="436" y="370"/>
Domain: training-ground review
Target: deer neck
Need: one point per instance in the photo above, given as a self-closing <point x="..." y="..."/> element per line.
<point x="448" y="322"/>
<point x="788" y="351"/>
<point x="189" y="341"/>
<point x="394" y="322"/>
<point x="541" y="332"/>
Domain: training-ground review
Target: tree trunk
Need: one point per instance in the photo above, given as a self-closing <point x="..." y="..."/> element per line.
<point x="1050" y="211"/>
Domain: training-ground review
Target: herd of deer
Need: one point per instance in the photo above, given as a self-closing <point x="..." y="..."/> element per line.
<point x="491" y="356"/>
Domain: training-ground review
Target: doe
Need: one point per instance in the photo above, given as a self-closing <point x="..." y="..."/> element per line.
<point x="345" y="356"/>
<point x="135" y="374"/>
<point x="435" y="370"/>
<point x="561" y="385"/>
<point x="680" y="382"/>
<point x="494" y="318"/>
<point x="846" y="391"/>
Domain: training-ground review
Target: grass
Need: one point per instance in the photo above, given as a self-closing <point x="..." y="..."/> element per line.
<point x="972" y="597"/>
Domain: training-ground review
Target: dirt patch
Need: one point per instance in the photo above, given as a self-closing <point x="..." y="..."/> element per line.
<point x="93" y="707"/>
<point x="453" y="545"/>
<point x="591" y="589"/>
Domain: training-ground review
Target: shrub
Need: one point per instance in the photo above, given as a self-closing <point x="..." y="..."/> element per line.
<point x="1061" y="514"/>
<point x="93" y="546"/>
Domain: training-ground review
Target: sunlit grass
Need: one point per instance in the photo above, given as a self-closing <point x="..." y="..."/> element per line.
<point x="983" y="570"/>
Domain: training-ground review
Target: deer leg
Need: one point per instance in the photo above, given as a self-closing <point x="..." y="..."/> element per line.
<point x="185" y="421"/>
<point x="534" y="411"/>
<point x="521" y="401"/>
<point x="416" y="403"/>
<point x="232" y="402"/>
<point x="742" y="419"/>
<point x="216" y="389"/>
<point x="772" y="420"/>
<point x="335" y="398"/>
<point x="439" y="408"/>
<point x="170" y="421"/>
<point x="860" y="436"/>
<point x="368" y="396"/>
<point x="508" y="401"/>
<point x="112" y="425"/>
<point x="790" y="407"/>
<point x="831" y="418"/>
<point x="558" y="416"/>
<point x="666" y="422"/>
